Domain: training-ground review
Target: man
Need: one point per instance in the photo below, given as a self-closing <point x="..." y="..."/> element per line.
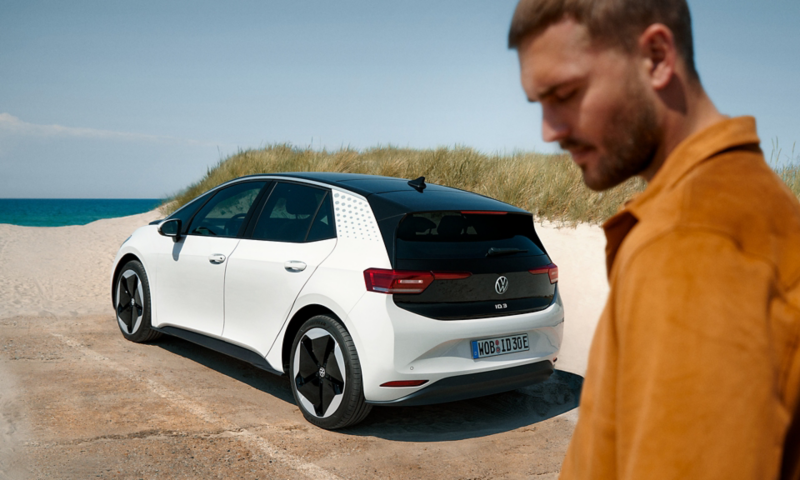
<point x="694" y="370"/>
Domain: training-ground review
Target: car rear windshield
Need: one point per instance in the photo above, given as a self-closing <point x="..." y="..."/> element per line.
<point x="466" y="235"/>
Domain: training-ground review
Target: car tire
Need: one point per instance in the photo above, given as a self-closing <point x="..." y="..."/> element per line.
<point x="330" y="391"/>
<point x="132" y="303"/>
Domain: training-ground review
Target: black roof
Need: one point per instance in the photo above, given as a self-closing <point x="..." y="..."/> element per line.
<point x="359" y="183"/>
<point x="390" y="196"/>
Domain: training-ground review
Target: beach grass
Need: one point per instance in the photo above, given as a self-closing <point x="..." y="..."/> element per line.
<point x="786" y="165"/>
<point x="548" y="185"/>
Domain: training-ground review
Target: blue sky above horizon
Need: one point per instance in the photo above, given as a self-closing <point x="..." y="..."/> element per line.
<point x="137" y="99"/>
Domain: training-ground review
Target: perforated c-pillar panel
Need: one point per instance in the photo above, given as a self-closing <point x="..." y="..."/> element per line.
<point x="354" y="218"/>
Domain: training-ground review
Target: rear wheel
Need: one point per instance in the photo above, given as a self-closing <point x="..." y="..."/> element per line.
<point x="132" y="303"/>
<point x="326" y="375"/>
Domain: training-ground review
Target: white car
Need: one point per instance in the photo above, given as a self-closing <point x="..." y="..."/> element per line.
<point x="365" y="290"/>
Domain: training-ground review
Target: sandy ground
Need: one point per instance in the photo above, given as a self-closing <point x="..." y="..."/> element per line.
<point x="78" y="401"/>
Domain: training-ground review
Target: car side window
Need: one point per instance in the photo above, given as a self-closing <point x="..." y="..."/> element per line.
<point x="224" y="214"/>
<point x="323" y="228"/>
<point x="289" y="212"/>
<point x="185" y="213"/>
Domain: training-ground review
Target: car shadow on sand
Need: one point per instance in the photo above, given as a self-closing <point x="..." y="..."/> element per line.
<point x="477" y="417"/>
<point x="472" y="418"/>
<point x="236" y="369"/>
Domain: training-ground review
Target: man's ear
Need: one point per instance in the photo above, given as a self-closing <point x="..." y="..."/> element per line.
<point x="657" y="48"/>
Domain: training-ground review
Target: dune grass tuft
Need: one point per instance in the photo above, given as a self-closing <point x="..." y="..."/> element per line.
<point x="550" y="186"/>
<point x="787" y="166"/>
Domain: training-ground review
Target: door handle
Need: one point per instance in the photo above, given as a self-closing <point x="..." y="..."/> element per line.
<point x="216" y="258"/>
<point x="295" y="266"/>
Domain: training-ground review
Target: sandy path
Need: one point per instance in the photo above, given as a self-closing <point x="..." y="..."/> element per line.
<point x="96" y="406"/>
<point x="11" y="422"/>
<point x="77" y="401"/>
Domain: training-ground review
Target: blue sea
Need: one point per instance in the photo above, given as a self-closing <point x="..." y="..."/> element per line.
<point x="54" y="212"/>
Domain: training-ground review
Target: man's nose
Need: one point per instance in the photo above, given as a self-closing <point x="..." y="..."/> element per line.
<point x="554" y="128"/>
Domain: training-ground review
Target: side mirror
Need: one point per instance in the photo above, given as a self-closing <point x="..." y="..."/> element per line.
<point x="171" y="228"/>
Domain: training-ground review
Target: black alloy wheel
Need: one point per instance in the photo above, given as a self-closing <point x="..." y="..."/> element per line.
<point x="326" y="376"/>
<point x="132" y="303"/>
<point x="320" y="372"/>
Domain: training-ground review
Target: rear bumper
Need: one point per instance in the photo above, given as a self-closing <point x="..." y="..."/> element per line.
<point x="397" y="345"/>
<point x="474" y="385"/>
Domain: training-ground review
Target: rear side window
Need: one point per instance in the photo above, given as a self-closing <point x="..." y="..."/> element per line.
<point x="224" y="214"/>
<point x="290" y="212"/>
<point x="466" y="235"/>
<point x="323" y="228"/>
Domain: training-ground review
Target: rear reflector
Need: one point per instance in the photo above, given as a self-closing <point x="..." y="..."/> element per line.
<point x="479" y="212"/>
<point x="402" y="281"/>
<point x="551" y="271"/>
<point x="405" y="383"/>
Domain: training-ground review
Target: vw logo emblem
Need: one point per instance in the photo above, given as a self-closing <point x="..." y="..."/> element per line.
<point x="501" y="285"/>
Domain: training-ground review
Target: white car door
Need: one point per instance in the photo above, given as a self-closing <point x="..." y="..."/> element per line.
<point x="266" y="273"/>
<point x="191" y="278"/>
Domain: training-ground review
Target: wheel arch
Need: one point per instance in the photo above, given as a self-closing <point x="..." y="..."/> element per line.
<point x="294" y="325"/>
<point x="121" y="263"/>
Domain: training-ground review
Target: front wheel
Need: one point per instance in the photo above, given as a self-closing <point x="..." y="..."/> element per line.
<point x="132" y="303"/>
<point x="326" y="375"/>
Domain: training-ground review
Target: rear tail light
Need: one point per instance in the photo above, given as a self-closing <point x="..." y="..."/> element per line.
<point x="405" y="383"/>
<point x="394" y="281"/>
<point x="551" y="271"/>
<point x="400" y="281"/>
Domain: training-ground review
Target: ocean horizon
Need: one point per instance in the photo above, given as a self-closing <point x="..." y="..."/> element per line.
<point x="60" y="212"/>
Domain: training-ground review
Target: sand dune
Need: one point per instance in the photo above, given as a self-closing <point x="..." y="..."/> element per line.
<point x="63" y="271"/>
<point x="580" y="255"/>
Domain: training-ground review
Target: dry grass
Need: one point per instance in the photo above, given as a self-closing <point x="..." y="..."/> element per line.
<point x="786" y="165"/>
<point x="550" y="186"/>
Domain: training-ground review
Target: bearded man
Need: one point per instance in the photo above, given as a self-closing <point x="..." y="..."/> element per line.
<point x="694" y="370"/>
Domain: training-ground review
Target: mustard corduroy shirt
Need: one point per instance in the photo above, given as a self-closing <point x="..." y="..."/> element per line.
<point x="694" y="370"/>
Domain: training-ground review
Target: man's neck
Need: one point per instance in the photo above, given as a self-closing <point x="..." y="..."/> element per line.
<point x="686" y="111"/>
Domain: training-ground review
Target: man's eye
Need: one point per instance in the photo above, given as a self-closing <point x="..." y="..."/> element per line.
<point x="563" y="97"/>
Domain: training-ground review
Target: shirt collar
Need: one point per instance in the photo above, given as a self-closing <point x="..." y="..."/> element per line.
<point x="694" y="150"/>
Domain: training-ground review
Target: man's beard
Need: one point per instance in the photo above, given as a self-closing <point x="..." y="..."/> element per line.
<point x="630" y="140"/>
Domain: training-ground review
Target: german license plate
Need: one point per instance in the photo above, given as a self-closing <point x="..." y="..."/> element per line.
<point x="490" y="347"/>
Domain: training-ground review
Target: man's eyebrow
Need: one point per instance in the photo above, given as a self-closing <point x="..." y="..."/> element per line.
<point x="551" y="90"/>
<point x="547" y="92"/>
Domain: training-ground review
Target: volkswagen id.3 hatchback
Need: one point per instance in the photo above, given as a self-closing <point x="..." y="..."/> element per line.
<point x="364" y="290"/>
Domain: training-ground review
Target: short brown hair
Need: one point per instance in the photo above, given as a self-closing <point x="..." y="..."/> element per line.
<point x="616" y="23"/>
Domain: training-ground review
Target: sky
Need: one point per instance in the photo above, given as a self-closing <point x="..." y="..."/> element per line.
<point x="137" y="99"/>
